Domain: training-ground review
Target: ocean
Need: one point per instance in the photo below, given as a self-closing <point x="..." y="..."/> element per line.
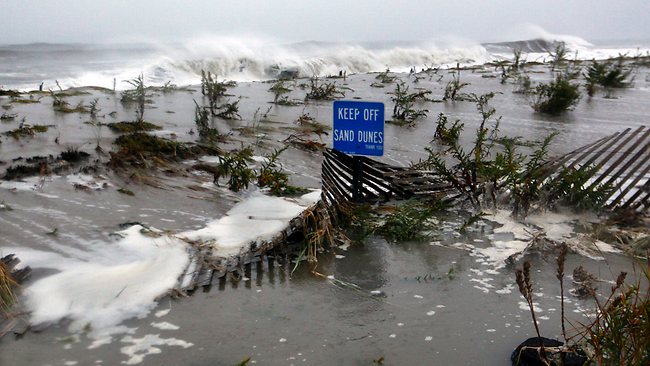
<point x="24" y="67"/>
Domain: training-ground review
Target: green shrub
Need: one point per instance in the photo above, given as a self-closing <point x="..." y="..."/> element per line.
<point x="202" y="120"/>
<point x="137" y="95"/>
<point x="557" y="96"/>
<point x="607" y="75"/>
<point x="323" y="91"/>
<point x="571" y="189"/>
<point x="273" y="176"/>
<point x="403" y="111"/>
<point x="454" y="86"/>
<point x="410" y="220"/>
<point x="278" y="89"/>
<point x="235" y="165"/>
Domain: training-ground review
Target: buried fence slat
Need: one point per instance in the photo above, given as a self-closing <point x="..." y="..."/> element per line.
<point x="632" y="182"/>
<point x="340" y="185"/>
<point x="330" y="195"/>
<point x="611" y="141"/>
<point x="344" y="171"/>
<point x="334" y="196"/>
<point x="622" y="158"/>
<point x="416" y="179"/>
<point x="204" y="278"/>
<point x="432" y="188"/>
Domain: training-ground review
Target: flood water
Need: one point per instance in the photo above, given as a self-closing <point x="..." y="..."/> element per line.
<point x="439" y="301"/>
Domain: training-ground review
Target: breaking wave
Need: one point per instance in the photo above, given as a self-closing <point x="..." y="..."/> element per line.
<point x="251" y="59"/>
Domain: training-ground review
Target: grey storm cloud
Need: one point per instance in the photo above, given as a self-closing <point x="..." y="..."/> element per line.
<point x="332" y="20"/>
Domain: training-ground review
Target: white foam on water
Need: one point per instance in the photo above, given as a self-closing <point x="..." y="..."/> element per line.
<point x="27" y="184"/>
<point x="150" y="344"/>
<point x="497" y="254"/>
<point x="605" y="247"/>
<point x="110" y="282"/>
<point x="165" y="326"/>
<point x="506" y="290"/>
<point x="556" y="226"/>
<point x="509" y="225"/>
<point x="88" y="181"/>
<point x="524" y="306"/>
<point x="121" y="282"/>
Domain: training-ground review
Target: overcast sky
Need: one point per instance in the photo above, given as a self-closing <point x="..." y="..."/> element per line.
<point x="60" y="21"/>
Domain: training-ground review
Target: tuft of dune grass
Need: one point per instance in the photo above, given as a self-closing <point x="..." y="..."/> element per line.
<point x="7" y="286"/>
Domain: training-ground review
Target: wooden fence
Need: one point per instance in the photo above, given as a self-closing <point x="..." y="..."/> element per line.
<point x="620" y="161"/>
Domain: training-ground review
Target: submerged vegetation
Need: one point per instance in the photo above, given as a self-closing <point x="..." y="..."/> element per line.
<point x="202" y="121"/>
<point x="138" y="95"/>
<point x="557" y="96"/>
<point x="403" y="108"/>
<point x="213" y="90"/>
<point x="132" y="126"/>
<point x="278" y="89"/>
<point x="273" y="176"/>
<point x="323" y="90"/>
<point x="410" y="221"/>
<point x="236" y="165"/>
<point x="454" y="86"/>
<point x="608" y="75"/>
<point x="26" y="130"/>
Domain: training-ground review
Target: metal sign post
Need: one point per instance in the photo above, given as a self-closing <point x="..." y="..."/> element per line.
<point x="358" y="130"/>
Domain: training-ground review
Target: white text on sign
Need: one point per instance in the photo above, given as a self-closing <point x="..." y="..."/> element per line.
<point x="361" y="136"/>
<point x="352" y="114"/>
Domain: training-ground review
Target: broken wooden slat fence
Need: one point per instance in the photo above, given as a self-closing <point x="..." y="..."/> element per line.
<point x="620" y="161"/>
<point x="378" y="180"/>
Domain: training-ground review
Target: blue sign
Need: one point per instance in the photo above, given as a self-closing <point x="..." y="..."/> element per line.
<point x="359" y="127"/>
